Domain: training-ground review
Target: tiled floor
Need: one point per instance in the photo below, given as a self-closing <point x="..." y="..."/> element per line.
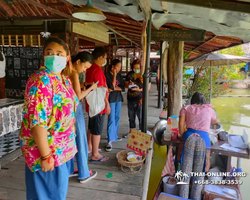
<point x="9" y="143"/>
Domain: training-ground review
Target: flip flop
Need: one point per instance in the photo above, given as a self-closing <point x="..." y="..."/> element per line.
<point x="100" y="160"/>
<point x="91" y="152"/>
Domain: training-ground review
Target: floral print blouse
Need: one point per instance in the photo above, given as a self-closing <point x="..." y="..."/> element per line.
<point x="50" y="104"/>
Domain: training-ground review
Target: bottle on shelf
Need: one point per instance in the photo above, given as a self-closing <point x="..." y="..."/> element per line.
<point x="169" y="125"/>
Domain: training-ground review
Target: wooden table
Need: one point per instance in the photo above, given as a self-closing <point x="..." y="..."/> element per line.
<point x="217" y="150"/>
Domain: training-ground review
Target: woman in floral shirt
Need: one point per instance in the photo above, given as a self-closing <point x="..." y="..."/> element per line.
<point x="47" y="135"/>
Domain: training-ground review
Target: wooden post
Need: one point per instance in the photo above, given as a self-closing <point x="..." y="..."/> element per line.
<point x="24" y="40"/>
<point x="17" y="40"/>
<point x="31" y="40"/>
<point x="3" y="40"/>
<point x="174" y="73"/>
<point x="39" y="40"/>
<point x="9" y="40"/>
<point x="146" y="80"/>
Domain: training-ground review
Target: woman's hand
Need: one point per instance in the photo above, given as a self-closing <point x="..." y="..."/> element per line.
<point x="118" y="89"/>
<point x="94" y="86"/>
<point x="137" y="89"/>
<point x="108" y="110"/>
<point x="114" y="71"/>
<point x="48" y="164"/>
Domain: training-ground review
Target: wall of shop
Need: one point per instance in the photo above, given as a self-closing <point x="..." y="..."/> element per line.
<point x="22" y="46"/>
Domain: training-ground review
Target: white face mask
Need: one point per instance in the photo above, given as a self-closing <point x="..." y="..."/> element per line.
<point x="137" y="71"/>
<point x="105" y="63"/>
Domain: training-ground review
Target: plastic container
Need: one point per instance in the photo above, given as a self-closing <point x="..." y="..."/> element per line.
<point x="167" y="135"/>
<point x="169" y="125"/>
<point x="175" y="121"/>
<point x="169" y="188"/>
<point x="175" y="132"/>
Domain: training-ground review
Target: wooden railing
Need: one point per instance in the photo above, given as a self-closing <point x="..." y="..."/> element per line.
<point x="20" y="40"/>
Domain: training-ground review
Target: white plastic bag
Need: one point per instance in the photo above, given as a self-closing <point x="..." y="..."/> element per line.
<point x="96" y="102"/>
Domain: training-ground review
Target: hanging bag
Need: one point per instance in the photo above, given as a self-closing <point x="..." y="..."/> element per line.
<point x="95" y="100"/>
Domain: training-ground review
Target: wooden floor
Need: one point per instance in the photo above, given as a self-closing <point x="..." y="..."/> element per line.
<point x="120" y="186"/>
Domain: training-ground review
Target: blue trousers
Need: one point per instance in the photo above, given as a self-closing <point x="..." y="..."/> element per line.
<point x="113" y="121"/>
<point x="52" y="185"/>
<point x="82" y="144"/>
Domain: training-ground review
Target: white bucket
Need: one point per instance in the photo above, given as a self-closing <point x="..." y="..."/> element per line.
<point x="169" y="188"/>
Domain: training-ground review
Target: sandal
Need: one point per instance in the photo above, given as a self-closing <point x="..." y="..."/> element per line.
<point x="92" y="175"/>
<point x="100" y="160"/>
<point x="91" y="152"/>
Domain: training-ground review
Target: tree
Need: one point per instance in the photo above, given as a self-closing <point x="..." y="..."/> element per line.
<point x="201" y="82"/>
<point x="232" y="72"/>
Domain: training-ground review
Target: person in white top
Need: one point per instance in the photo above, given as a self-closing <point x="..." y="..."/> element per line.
<point x="2" y="75"/>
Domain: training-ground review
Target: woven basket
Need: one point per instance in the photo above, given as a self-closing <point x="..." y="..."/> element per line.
<point x="127" y="166"/>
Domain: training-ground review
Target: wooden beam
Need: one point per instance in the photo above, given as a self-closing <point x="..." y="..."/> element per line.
<point x="57" y="12"/>
<point x="118" y="33"/>
<point x="146" y="9"/>
<point x="33" y="18"/>
<point x="236" y="6"/>
<point x="178" y="35"/>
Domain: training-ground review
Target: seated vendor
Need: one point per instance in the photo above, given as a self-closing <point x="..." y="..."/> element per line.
<point x="196" y="119"/>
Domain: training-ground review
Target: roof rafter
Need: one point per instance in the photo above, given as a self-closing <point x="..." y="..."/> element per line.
<point x="118" y="33"/>
<point x="42" y="6"/>
<point x="7" y="9"/>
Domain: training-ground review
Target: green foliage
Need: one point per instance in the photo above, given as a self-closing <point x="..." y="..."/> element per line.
<point x="204" y="82"/>
<point x="236" y="76"/>
<point x="232" y="70"/>
<point x="235" y="51"/>
<point x="186" y="54"/>
<point x="186" y="84"/>
<point x="201" y="81"/>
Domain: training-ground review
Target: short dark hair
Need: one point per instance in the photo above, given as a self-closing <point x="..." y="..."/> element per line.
<point x="83" y="56"/>
<point x="98" y="51"/>
<point x="114" y="63"/>
<point x="58" y="41"/>
<point x="135" y="62"/>
<point x="198" y="98"/>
